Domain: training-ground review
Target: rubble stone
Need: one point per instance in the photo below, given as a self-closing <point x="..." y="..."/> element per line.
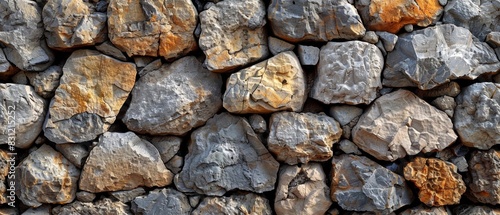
<point x="164" y="201"/>
<point x="248" y="203"/>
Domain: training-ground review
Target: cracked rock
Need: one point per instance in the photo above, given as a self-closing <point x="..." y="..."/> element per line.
<point x="239" y="203"/>
<point x="451" y="89"/>
<point x="103" y="207"/>
<point x="164" y="201"/>
<point x="46" y="82"/>
<point x="483" y="168"/>
<point x="389" y="40"/>
<point x="349" y="147"/>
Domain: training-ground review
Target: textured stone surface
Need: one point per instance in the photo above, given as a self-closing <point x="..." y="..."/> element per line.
<point x="302" y="190"/>
<point x="451" y="89"/>
<point x="239" y="203"/>
<point x="45" y="176"/>
<point x="308" y="20"/>
<point x="302" y="137"/>
<point x="42" y="210"/>
<point x="308" y="55"/>
<point x="123" y="161"/>
<point x="389" y="40"/>
<point x="167" y="146"/>
<point x="181" y="96"/>
<point x="232" y="34"/>
<point x="391" y="16"/>
<point x="126" y="196"/>
<point x="75" y="153"/>
<point x="6" y="68"/>
<point x="109" y="49"/>
<point x="5" y="165"/>
<point x="446" y="104"/>
<point x="348" y="72"/>
<point x="84" y="196"/>
<point x="349" y="147"/>
<point x="344" y="114"/>
<point x="370" y="37"/>
<point x="164" y="201"/>
<point x="152" y="27"/>
<point x="493" y="39"/>
<point x="438" y="181"/>
<point x="480" y="210"/>
<point x="433" y="56"/>
<point x="483" y="168"/>
<point x="89" y="97"/>
<point x="175" y="164"/>
<point x="46" y="82"/>
<point x="424" y="210"/>
<point x="360" y="184"/>
<point x="258" y="123"/>
<point x="477" y="118"/>
<point x="73" y="23"/>
<point x="22" y="113"/>
<point x="277" y="46"/>
<point x="102" y="207"/>
<point x="225" y="155"/>
<point x="272" y="85"/>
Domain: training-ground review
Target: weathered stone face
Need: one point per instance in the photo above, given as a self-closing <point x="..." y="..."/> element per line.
<point x="483" y="166"/>
<point x="104" y="207"/>
<point x="165" y="201"/>
<point x="250" y="203"/>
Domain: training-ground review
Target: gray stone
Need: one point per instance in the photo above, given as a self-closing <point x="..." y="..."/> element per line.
<point x="308" y="55"/>
<point x="308" y="20"/>
<point x="102" y="207"/>
<point x="142" y="61"/>
<point x="380" y="46"/>
<point x="277" y="46"/>
<point x="425" y="210"/>
<point x="451" y="89"/>
<point x="126" y="196"/>
<point x="483" y="183"/>
<point x="389" y="40"/>
<point x="167" y="146"/>
<point x="9" y="211"/>
<point x="194" y="200"/>
<point x="181" y="96"/>
<point x="164" y="201"/>
<point x="493" y="39"/>
<point x="344" y="114"/>
<point x="348" y="72"/>
<point x="21" y="78"/>
<point x="258" y="123"/>
<point x="175" y="164"/>
<point x="370" y="37"/>
<point x="476" y="120"/>
<point x="443" y="2"/>
<point x="21" y="116"/>
<point x="42" y="210"/>
<point x="225" y="154"/>
<point x="302" y="137"/>
<point x="349" y="147"/>
<point x="360" y="184"/>
<point x="75" y="153"/>
<point x="152" y="66"/>
<point x="46" y="82"/>
<point x="239" y="203"/>
<point x="461" y="163"/>
<point x="7" y="70"/>
<point x="84" y="196"/>
<point x="476" y="210"/>
<point x="433" y="56"/>
<point x="409" y="28"/>
<point x="109" y="49"/>
<point x="446" y="104"/>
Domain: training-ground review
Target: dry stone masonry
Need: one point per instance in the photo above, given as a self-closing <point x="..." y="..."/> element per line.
<point x="258" y="107"/>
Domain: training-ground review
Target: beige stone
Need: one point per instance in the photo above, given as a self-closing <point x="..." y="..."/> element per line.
<point x="239" y="203"/>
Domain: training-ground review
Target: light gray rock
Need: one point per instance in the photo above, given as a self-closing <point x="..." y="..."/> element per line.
<point x="45" y="176"/>
<point x="349" y="147"/>
<point x="461" y="163"/>
<point x="308" y="20"/>
<point x="109" y="49"/>
<point x="142" y="61"/>
<point x="123" y="161"/>
<point x="21" y="116"/>
<point x="225" y="154"/>
<point x="433" y="56"/>
<point x="370" y="37"/>
<point x="7" y="70"/>
<point x="181" y="96"/>
<point x="425" y="210"/>
<point x="175" y="164"/>
<point x="258" y="123"/>
<point x="233" y="34"/>
<point x="399" y="124"/>
<point x="248" y="203"/>
<point x="42" y="210"/>
<point x="360" y="184"/>
<point x="344" y="114"/>
<point x="194" y="201"/>
<point x="302" y="137"/>
<point x="75" y="153"/>
<point x="381" y="47"/>
<point x="45" y="83"/>
<point x="388" y="39"/>
<point x="476" y="120"/>
<point x="443" y="2"/>
<point x="476" y="209"/>
<point x="21" y="77"/>
<point x="348" y="72"/>
<point x="308" y="55"/>
<point x="483" y="184"/>
<point x="277" y="46"/>
<point x="167" y="146"/>
<point x="21" y="32"/>
<point x="103" y="207"/>
<point x="164" y="201"/>
<point x="84" y="196"/>
<point x="126" y="196"/>
<point x="493" y="39"/>
<point x="152" y="66"/>
<point x="446" y="104"/>
<point x="409" y="28"/>
<point x="302" y="190"/>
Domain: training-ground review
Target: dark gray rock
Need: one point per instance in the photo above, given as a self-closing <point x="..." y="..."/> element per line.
<point x="109" y="49"/>
<point x="277" y="46"/>
<point x="126" y="196"/>
<point x="102" y="207"/>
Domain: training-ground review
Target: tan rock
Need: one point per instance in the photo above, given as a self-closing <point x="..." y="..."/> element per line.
<point x="484" y="167"/>
<point x="92" y="90"/>
<point x="239" y="203"/>
<point x="438" y="181"/>
<point x="4" y="171"/>
<point x="272" y="85"/>
<point x="153" y="27"/>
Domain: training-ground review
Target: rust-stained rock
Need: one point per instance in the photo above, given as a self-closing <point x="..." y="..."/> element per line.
<point x="239" y="203"/>
<point x="484" y="167"/>
<point x="5" y="165"/>
<point x="92" y="90"/>
<point x="438" y="181"/>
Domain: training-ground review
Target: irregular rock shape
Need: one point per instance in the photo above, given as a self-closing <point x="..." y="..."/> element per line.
<point x="348" y="72"/>
<point x="302" y="190"/>
<point x="5" y="165"/>
<point x="75" y="153"/>
<point x="277" y="46"/>
<point x="483" y="168"/>
<point x="164" y="201"/>
<point x="308" y="20"/>
<point x="92" y="90"/>
<point x="433" y="56"/>
<point x="423" y="210"/>
<point x="302" y="137"/>
<point x="22" y="113"/>
<point x="360" y="184"/>
<point x="399" y="124"/>
<point x="46" y="82"/>
<point x="438" y="182"/>
<point x="102" y="207"/>
<point x="123" y="161"/>
<point x="45" y="176"/>
<point x="152" y="27"/>
<point x="471" y="209"/>
<point x="73" y="23"/>
<point x="240" y="203"/>
<point x="381" y="15"/>
<point x="21" y="32"/>
<point x="476" y="120"/>
<point x="233" y="34"/>
<point x="7" y="70"/>
<point x="127" y="195"/>
<point x="181" y="96"/>
<point x="269" y="86"/>
<point x="226" y="155"/>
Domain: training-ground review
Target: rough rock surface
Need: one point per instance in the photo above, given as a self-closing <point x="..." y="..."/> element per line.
<point x="102" y="207"/>
<point x="347" y="116"/>
<point x="302" y="190"/>
<point x="167" y="146"/>
<point x="164" y="201"/>
<point x="433" y="56"/>
<point x="5" y="166"/>
<point x="446" y="104"/>
<point x="152" y="28"/>
<point x="479" y="210"/>
<point x="21" y="32"/>
<point x="84" y="196"/>
<point x="302" y="137"/>
<point x="22" y="113"/>
<point x="308" y="55"/>
<point x="89" y="97"/>
<point x="73" y="23"/>
<point x="424" y="210"/>
<point x="391" y="16"/>
<point x="75" y="153"/>
<point x="123" y="161"/>
<point x="309" y="20"/>
<point x="483" y="168"/>
<point x="399" y="124"/>
<point x="348" y="72"/>
<point x="45" y="83"/>
<point x="258" y="123"/>
<point x="6" y="68"/>
<point x="225" y="155"/>
<point x="277" y="46"/>
<point x="477" y="118"/>
<point x="45" y="176"/>
<point x="109" y="49"/>
<point x="360" y="184"/>
<point x="272" y="85"/>
<point x="451" y="89"/>
<point x="239" y="203"/>
<point x="233" y="34"/>
<point x="126" y="196"/>
<point x="438" y="181"/>
<point x="181" y="96"/>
